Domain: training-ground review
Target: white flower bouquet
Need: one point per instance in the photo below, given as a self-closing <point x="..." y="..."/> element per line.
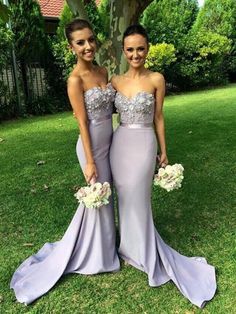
<point x="95" y="195"/>
<point x="170" y="177"/>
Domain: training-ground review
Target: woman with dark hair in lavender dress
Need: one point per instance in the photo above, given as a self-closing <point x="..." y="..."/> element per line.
<point x="88" y="245"/>
<point x="139" y="101"/>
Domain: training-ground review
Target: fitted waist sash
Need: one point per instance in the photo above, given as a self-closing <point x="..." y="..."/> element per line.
<point x="94" y="121"/>
<point x="136" y="125"/>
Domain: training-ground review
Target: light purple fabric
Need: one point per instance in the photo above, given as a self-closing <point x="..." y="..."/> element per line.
<point x="88" y="245"/>
<point x="133" y="157"/>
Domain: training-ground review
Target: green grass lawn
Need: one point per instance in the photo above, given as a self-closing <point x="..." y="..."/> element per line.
<point x="37" y="204"/>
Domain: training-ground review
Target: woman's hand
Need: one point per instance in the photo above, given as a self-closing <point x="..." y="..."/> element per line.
<point x="163" y="160"/>
<point x="90" y="173"/>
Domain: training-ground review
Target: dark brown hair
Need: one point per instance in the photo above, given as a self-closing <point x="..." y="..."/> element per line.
<point x="135" y="29"/>
<point x="76" y="25"/>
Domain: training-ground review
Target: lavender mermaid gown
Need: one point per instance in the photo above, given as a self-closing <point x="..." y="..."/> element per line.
<point x="133" y="157"/>
<point x="88" y="245"/>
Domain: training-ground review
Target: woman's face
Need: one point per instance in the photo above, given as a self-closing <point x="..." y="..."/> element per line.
<point x="83" y="43"/>
<point x="135" y="50"/>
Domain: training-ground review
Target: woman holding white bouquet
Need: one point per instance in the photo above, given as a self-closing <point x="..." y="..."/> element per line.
<point x="88" y="246"/>
<point x="139" y="101"/>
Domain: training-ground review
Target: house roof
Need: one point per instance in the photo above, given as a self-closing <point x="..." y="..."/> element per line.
<point x="53" y="8"/>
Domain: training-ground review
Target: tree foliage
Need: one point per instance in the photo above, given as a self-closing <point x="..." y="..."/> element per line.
<point x="6" y="37"/>
<point x="220" y="17"/>
<point x="95" y="17"/>
<point x="201" y="40"/>
<point x="32" y="49"/>
<point x="4" y="13"/>
<point x="28" y="28"/>
<point x="104" y="11"/>
<point x="169" y="20"/>
<point x="160" y="56"/>
<point x="63" y="55"/>
<point x="202" y="62"/>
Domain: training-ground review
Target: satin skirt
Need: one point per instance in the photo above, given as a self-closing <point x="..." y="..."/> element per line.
<point x="88" y="245"/>
<point x="133" y="158"/>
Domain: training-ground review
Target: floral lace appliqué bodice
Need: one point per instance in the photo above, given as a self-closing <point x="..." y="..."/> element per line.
<point x="138" y="109"/>
<point x="99" y="101"/>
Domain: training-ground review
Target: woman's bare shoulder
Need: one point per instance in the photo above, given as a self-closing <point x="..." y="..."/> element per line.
<point x="74" y="77"/>
<point x="157" y="79"/>
<point x="75" y="81"/>
<point x="156" y="76"/>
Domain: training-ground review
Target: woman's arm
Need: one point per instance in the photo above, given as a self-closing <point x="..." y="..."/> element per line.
<point x="76" y="96"/>
<point x="159" y="83"/>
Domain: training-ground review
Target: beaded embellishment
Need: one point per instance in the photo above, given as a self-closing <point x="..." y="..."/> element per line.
<point x="138" y="109"/>
<point x="98" y="101"/>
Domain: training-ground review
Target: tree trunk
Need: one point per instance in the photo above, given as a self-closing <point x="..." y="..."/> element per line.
<point x="77" y="8"/>
<point x="122" y="14"/>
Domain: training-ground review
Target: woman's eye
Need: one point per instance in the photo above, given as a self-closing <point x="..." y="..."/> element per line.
<point x="92" y="40"/>
<point x="129" y="49"/>
<point x="80" y="43"/>
<point x="141" y="49"/>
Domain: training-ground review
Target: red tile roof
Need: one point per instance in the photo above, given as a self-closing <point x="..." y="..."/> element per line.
<point x="51" y="8"/>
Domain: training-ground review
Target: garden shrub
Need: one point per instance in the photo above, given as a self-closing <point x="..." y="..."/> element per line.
<point x="160" y="56"/>
<point x="202" y="60"/>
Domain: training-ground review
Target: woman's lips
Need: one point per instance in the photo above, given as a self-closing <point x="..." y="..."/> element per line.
<point x="89" y="53"/>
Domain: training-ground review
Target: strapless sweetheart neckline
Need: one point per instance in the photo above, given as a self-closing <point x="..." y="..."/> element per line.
<point x="99" y="88"/>
<point x="121" y="94"/>
<point x="135" y="95"/>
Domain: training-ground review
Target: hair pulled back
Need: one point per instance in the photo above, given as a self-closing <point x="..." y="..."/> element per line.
<point x="76" y="25"/>
<point x="135" y="29"/>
